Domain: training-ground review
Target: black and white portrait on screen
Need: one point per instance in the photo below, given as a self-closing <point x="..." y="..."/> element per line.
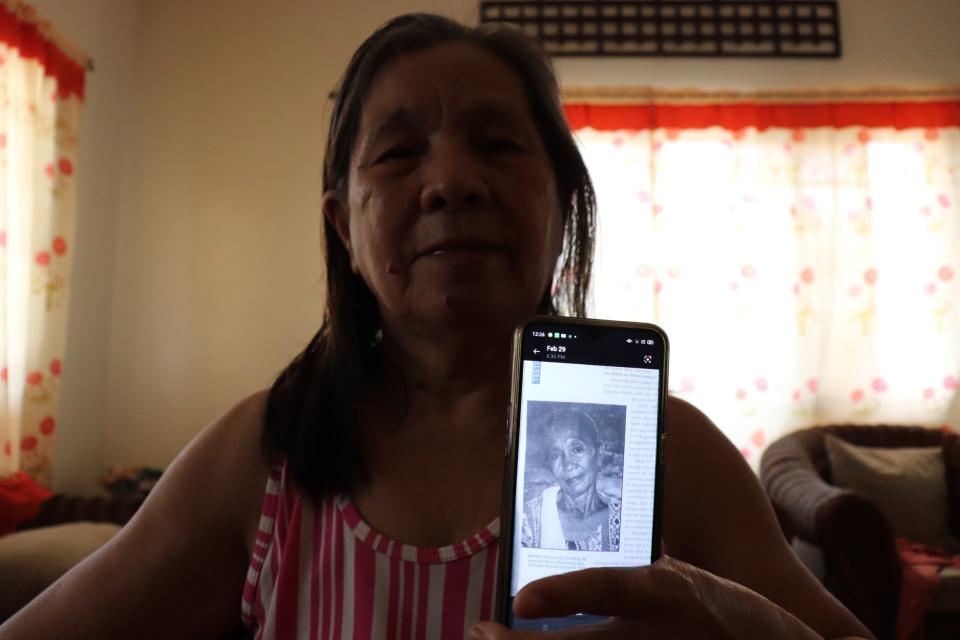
<point x="573" y="476"/>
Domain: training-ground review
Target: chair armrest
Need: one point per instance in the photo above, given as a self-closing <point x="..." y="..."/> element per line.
<point x="795" y="488"/>
<point x="61" y="509"/>
<point x="862" y="565"/>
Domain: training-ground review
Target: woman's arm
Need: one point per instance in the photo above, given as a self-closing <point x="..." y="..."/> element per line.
<point x="717" y="518"/>
<point x="177" y="569"/>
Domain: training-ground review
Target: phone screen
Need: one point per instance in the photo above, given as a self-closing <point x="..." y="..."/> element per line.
<point x="584" y="455"/>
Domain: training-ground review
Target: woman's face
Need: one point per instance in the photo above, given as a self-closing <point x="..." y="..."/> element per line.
<point x="451" y="216"/>
<point x="573" y="458"/>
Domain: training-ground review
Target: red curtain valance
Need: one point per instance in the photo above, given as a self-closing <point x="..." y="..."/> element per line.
<point x="25" y="37"/>
<point x="740" y="115"/>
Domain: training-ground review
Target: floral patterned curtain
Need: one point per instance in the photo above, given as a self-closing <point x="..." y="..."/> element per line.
<point x="803" y="258"/>
<point x="41" y="90"/>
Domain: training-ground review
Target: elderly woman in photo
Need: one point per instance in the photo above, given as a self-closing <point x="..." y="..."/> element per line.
<point x="359" y="496"/>
<point x="573" y="514"/>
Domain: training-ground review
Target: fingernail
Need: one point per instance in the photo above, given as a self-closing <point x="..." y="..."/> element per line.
<point x="480" y="631"/>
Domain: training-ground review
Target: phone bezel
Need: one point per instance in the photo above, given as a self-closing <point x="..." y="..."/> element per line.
<point x="507" y="524"/>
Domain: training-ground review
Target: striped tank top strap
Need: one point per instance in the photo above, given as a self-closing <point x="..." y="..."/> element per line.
<point x="261" y="546"/>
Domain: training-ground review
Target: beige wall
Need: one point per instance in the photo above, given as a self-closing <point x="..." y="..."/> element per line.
<point x="197" y="269"/>
<point x="218" y="273"/>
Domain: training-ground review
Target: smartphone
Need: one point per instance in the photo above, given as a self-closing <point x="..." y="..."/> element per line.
<point x="583" y="479"/>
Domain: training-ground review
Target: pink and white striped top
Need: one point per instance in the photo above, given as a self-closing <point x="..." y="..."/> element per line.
<point x="320" y="571"/>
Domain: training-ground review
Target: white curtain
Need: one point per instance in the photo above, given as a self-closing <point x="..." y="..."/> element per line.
<point x="39" y="118"/>
<point x="804" y="276"/>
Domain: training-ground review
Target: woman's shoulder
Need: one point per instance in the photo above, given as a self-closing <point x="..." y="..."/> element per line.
<point x="706" y="483"/>
<point x="235" y="439"/>
<point x="690" y="435"/>
<point x="224" y="463"/>
<point x="223" y="466"/>
<point x="684" y="415"/>
<point x="231" y="443"/>
<point x="246" y="415"/>
<point x="695" y="447"/>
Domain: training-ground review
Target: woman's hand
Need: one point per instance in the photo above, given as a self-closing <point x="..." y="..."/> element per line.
<point x="676" y="599"/>
<point x="668" y="599"/>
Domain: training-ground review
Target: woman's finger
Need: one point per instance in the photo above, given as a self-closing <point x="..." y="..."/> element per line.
<point x="669" y="598"/>
<point x="607" y="591"/>
<point x="494" y="631"/>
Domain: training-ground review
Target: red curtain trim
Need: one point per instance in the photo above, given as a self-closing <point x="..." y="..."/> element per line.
<point x="899" y="115"/>
<point x="27" y="39"/>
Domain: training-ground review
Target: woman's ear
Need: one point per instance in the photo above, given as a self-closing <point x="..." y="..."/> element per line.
<point x="336" y="213"/>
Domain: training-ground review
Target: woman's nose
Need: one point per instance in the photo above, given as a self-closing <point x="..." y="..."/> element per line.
<point x="452" y="182"/>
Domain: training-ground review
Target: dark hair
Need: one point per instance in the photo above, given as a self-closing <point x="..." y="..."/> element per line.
<point x="311" y="409"/>
<point x="583" y="421"/>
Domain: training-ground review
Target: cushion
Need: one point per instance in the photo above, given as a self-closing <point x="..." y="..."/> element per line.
<point x="33" y="559"/>
<point x="946" y="599"/>
<point x="20" y="499"/>
<point x="908" y="485"/>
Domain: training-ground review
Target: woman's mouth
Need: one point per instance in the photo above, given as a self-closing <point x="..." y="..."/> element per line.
<point x="461" y="246"/>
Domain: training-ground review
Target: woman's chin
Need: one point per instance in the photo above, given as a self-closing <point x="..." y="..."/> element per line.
<point x="462" y="308"/>
<point x="479" y="293"/>
<point x="455" y="311"/>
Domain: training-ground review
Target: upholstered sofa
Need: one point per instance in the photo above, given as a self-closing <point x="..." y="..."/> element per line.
<point x="65" y="531"/>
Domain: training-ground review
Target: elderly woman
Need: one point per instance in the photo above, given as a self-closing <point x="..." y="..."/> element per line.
<point x="359" y="496"/>
<point x="572" y="514"/>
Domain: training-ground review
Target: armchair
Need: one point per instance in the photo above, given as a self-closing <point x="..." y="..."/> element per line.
<point x="861" y="565"/>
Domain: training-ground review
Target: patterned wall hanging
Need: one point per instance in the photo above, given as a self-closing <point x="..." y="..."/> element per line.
<point x="702" y="28"/>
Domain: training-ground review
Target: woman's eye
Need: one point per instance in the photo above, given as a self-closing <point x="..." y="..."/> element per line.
<point x="577" y="448"/>
<point x="500" y="144"/>
<point x="401" y="152"/>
